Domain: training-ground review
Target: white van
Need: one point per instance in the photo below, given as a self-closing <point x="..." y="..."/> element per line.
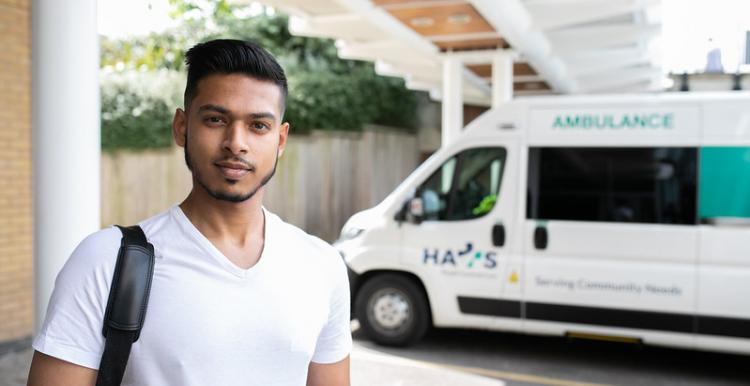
<point x="619" y="217"/>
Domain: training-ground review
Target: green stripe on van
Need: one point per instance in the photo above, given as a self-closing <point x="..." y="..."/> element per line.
<point x="724" y="189"/>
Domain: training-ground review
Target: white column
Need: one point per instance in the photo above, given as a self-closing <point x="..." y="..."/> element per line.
<point x="453" y="101"/>
<point x="65" y="136"/>
<point x="502" y="79"/>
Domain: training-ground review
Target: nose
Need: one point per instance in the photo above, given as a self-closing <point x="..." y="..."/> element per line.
<point x="236" y="138"/>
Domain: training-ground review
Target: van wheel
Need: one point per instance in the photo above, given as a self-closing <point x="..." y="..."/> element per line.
<point x="392" y="310"/>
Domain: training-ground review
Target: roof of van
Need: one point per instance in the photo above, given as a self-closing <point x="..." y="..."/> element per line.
<point x="668" y="119"/>
<point x="637" y="98"/>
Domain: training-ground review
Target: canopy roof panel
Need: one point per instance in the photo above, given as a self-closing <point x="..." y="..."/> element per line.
<point x="560" y="46"/>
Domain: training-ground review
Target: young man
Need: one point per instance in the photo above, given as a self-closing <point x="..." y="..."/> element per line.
<point x="238" y="297"/>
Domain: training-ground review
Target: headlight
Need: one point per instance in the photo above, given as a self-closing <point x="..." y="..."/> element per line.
<point x="350" y="233"/>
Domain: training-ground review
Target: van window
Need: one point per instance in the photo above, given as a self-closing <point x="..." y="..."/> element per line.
<point x="638" y="185"/>
<point x="465" y="186"/>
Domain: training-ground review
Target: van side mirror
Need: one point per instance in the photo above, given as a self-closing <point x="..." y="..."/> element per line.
<point x="415" y="210"/>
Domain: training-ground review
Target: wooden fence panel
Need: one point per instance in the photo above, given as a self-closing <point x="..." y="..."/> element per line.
<point x="320" y="180"/>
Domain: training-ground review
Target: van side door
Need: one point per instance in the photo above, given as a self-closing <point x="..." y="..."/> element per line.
<point x="611" y="242"/>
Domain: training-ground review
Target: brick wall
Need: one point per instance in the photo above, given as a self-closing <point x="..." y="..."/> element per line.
<point x="15" y="171"/>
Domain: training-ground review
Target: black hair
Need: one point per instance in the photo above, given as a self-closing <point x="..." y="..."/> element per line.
<point x="229" y="56"/>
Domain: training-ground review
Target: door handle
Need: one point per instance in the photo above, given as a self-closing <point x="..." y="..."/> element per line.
<point x="498" y="235"/>
<point x="541" y="238"/>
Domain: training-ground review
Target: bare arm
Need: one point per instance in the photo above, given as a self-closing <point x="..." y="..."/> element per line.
<point x="331" y="374"/>
<point x="50" y="371"/>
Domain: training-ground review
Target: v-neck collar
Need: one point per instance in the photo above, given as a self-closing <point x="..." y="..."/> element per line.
<point x="206" y="244"/>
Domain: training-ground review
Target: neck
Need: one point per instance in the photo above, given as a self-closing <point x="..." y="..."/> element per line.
<point x="218" y="220"/>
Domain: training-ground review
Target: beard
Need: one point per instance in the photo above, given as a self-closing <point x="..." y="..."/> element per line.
<point x="224" y="196"/>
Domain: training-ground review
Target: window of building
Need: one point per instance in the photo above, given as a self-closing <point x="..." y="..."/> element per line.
<point x="638" y="185"/>
<point x="465" y="186"/>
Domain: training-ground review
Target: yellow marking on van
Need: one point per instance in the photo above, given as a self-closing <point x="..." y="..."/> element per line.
<point x="513" y="277"/>
<point x="606" y="338"/>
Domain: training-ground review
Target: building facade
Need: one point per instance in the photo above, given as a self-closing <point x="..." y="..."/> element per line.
<point x="16" y="228"/>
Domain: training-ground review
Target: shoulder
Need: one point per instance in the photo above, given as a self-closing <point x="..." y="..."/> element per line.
<point x="311" y="248"/>
<point x="72" y="326"/>
<point x="159" y="225"/>
<point x="98" y="249"/>
<point x="104" y="238"/>
<point x="92" y="262"/>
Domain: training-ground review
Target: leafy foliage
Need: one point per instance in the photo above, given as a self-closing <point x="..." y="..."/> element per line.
<point x="326" y="92"/>
<point x="137" y="109"/>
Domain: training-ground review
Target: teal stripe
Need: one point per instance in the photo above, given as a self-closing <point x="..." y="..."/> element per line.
<point x="724" y="189"/>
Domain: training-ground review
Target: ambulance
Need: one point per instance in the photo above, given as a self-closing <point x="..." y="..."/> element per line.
<point x="613" y="217"/>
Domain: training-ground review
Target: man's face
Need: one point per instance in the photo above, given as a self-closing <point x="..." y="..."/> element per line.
<point x="232" y="135"/>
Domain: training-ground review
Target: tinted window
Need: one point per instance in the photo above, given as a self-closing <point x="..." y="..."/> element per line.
<point x="642" y="185"/>
<point x="465" y="186"/>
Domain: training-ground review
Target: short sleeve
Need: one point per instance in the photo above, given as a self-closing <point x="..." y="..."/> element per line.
<point x="335" y="340"/>
<point x="72" y="329"/>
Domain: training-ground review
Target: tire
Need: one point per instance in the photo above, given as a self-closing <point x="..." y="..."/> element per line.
<point x="392" y="310"/>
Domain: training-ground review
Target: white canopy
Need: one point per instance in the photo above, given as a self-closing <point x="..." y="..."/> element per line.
<point x="558" y="46"/>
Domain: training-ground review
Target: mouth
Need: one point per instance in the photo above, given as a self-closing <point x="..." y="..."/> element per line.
<point x="233" y="171"/>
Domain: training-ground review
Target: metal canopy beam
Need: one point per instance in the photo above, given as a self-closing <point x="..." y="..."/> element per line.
<point x="513" y="21"/>
<point x="551" y="14"/>
<point x="344" y="26"/>
<point x="590" y="38"/>
<point x="597" y="61"/>
<point x="621" y="77"/>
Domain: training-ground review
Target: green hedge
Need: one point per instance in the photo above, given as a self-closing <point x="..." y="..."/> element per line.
<point x="137" y="109"/>
<point x="142" y="81"/>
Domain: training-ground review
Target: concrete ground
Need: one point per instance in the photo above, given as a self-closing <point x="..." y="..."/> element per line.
<point x="523" y="360"/>
<point x="14" y="367"/>
<point x="369" y="368"/>
<point x="479" y="358"/>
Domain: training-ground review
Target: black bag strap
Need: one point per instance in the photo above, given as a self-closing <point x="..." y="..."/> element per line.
<point x="126" y="306"/>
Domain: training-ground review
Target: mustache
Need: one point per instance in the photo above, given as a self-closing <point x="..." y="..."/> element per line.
<point x="249" y="164"/>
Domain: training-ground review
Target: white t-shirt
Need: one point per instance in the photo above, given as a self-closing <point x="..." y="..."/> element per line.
<point x="208" y="321"/>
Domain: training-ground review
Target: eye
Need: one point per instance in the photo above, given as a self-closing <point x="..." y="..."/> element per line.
<point x="214" y="120"/>
<point x="260" y="126"/>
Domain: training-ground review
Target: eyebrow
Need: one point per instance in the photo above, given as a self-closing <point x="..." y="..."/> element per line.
<point x="224" y="110"/>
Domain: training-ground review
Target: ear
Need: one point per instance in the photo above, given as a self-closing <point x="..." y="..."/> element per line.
<point x="283" y="135"/>
<point x="179" y="127"/>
